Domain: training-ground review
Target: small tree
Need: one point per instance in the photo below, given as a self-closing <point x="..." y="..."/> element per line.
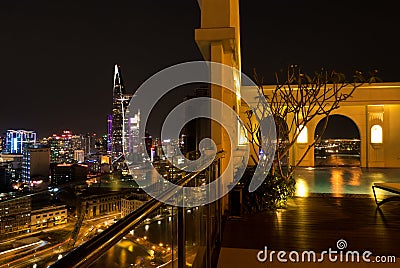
<point x="296" y="100"/>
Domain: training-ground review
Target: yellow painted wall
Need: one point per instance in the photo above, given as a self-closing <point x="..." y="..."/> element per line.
<point x="367" y="102"/>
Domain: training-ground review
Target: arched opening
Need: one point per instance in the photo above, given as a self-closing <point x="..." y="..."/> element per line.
<point x="339" y="144"/>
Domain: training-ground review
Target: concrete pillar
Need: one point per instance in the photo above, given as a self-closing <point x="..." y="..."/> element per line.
<point x="219" y="41"/>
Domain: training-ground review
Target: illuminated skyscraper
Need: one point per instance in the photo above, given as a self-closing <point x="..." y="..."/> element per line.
<point x="61" y="149"/>
<point x="89" y="141"/>
<point x="79" y="156"/>
<point x="109" y="134"/>
<point x="16" y="140"/>
<point x="120" y="103"/>
<point x="134" y="144"/>
<point x="86" y="142"/>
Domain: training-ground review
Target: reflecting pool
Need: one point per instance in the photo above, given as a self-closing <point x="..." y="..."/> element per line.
<point x="339" y="181"/>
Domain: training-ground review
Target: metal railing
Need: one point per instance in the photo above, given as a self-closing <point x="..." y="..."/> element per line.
<point x="86" y="254"/>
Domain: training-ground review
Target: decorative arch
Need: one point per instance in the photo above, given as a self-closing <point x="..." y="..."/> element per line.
<point x="340" y="145"/>
<point x="334" y="119"/>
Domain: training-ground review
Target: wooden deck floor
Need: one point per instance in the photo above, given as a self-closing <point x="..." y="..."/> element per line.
<point x="317" y="223"/>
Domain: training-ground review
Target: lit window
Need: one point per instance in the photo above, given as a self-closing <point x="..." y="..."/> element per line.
<point x="303" y="136"/>
<point x="376" y="134"/>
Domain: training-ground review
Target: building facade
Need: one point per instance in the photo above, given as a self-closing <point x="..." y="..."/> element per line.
<point x="48" y="217"/>
<point x="35" y="163"/>
<point x="133" y="202"/>
<point x="66" y="173"/>
<point x="13" y="164"/>
<point x="79" y="156"/>
<point x="102" y="203"/>
<point x="61" y="148"/>
<point x="2" y="143"/>
<point x="134" y="144"/>
<point x="15" y="215"/>
<point x="129" y="205"/>
<point x="374" y="109"/>
<point x="16" y="140"/>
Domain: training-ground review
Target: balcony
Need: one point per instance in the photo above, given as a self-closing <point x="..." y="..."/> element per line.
<point x="157" y="235"/>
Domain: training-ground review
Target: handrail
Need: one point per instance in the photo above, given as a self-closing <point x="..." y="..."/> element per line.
<point x="87" y="253"/>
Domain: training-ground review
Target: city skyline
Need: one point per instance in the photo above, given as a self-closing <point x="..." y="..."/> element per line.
<point x="57" y="72"/>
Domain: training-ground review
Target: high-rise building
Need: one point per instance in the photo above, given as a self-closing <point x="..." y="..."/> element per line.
<point x="148" y="140"/>
<point x="90" y="143"/>
<point x="135" y="143"/>
<point x="61" y="148"/>
<point x="109" y="134"/>
<point x="120" y="103"/>
<point x="101" y="145"/>
<point x="78" y="142"/>
<point x="2" y="143"/>
<point x="79" y="156"/>
<point x="86" y="143"/>
<point x="13" y="164"/>
<point x="35" y="163"/>
<point x="16" y="140"/>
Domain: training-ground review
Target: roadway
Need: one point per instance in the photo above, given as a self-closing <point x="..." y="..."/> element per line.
<point x="51" y="243"/>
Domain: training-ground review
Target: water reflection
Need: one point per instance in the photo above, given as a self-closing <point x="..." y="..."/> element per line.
<point x="336" y="181"/>
<point x="123" y="258"/>
<point x="355" y="179"/>
<point x="337" y="160"/>
<point x="341" y="180"/>
<point x="124" y="254"/>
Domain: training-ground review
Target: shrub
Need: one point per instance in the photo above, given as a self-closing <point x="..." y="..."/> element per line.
<point x="273" y="193"/>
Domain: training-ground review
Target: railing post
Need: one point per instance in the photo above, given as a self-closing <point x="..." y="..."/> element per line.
<point x="173" y="237"/>
<point x="208" y="223"/>
<point x="181" y="238"/>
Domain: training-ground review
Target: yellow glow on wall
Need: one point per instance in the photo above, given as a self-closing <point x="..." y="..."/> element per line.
<point x="236" y="78"/>
<point x="242" y="134"/>
<point x="376" y="134"/>
<point x="303" y="136"/>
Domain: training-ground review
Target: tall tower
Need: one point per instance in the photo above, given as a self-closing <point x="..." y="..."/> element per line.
<point x="120" y="102"/>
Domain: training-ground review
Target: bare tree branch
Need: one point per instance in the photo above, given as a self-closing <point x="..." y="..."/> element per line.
<point x="296" y="100"/>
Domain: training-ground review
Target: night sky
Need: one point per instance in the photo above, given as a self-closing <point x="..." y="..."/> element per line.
<point x="332" y="130"/>
<point x="57" y="57"/>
